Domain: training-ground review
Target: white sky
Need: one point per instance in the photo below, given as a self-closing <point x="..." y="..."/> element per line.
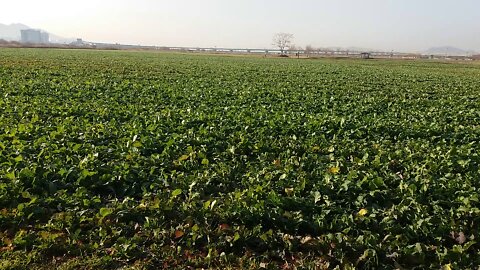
<point x="402" y="25"/>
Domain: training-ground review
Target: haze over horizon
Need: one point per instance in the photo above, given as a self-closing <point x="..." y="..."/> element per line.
<point x="379" y="24"/>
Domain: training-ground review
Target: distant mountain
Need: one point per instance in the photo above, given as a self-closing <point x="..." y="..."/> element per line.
<point x="448" y="50"/>
<point x="11" y="32"/>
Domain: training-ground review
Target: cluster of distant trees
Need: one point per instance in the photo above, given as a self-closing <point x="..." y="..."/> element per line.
<point x="284" y="42"/>
<point x="16" y="44"/>
<point x="4" y="42"/>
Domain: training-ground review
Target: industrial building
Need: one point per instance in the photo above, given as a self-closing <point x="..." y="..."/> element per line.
<point x="34" y="36"/>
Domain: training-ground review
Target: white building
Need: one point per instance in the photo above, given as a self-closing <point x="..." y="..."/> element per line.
<point x="34" y="36"/>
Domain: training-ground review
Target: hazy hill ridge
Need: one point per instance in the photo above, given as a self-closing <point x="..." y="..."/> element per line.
<point x="448" y="50"/>
<point x="11" y="32"/>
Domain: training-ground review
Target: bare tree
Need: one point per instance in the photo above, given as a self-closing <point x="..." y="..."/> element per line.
<point x="309" y="49"/>
<point x="295" y="49"/>
<point x="282" y="41"/>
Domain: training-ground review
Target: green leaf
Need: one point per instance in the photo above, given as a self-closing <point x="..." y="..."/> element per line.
<point x="379" y="182"/>
<point x="175" y="193"/>
<point x="206" y="204"/>
<point x="87" y="173"/>
<point x="105" y="212"/>
<point x="184" y="157"/>
<point x="236" y="237"/>
<point x="205" y="162"/>
<point x="26" y="173"/>
<point x="11" y="175"/>
<point x="52" y="188"/>
<point x="76" y="147"/>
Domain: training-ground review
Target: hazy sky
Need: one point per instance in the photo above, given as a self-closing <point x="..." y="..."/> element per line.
<point x="402" y="25"/>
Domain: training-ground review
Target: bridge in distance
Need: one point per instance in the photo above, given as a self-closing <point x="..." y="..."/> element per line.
<point x="291" y="52"/>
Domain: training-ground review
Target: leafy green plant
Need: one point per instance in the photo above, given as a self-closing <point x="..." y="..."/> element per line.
<point x="169" y="160"/>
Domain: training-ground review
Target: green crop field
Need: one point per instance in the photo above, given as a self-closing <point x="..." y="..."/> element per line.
<point x="161" y="160"/>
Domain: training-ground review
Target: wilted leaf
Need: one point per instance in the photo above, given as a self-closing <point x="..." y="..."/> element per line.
<point x="362" y="212"/>
<point x="317" y="196"/>
<point x="277" y="162"/>
<point x="224" y="226"/>
<point x="289" y="191"/>
<point x="305" y="239"/>
<point x="334" y="170"/>
<point x="459" y="237"/>
<point x="178" y="234"/>
<point x="213" y="204"/>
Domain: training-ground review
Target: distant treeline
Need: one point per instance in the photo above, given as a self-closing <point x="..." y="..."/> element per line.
<point x="106" y="46"/>
<point x="16" y="44"/>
